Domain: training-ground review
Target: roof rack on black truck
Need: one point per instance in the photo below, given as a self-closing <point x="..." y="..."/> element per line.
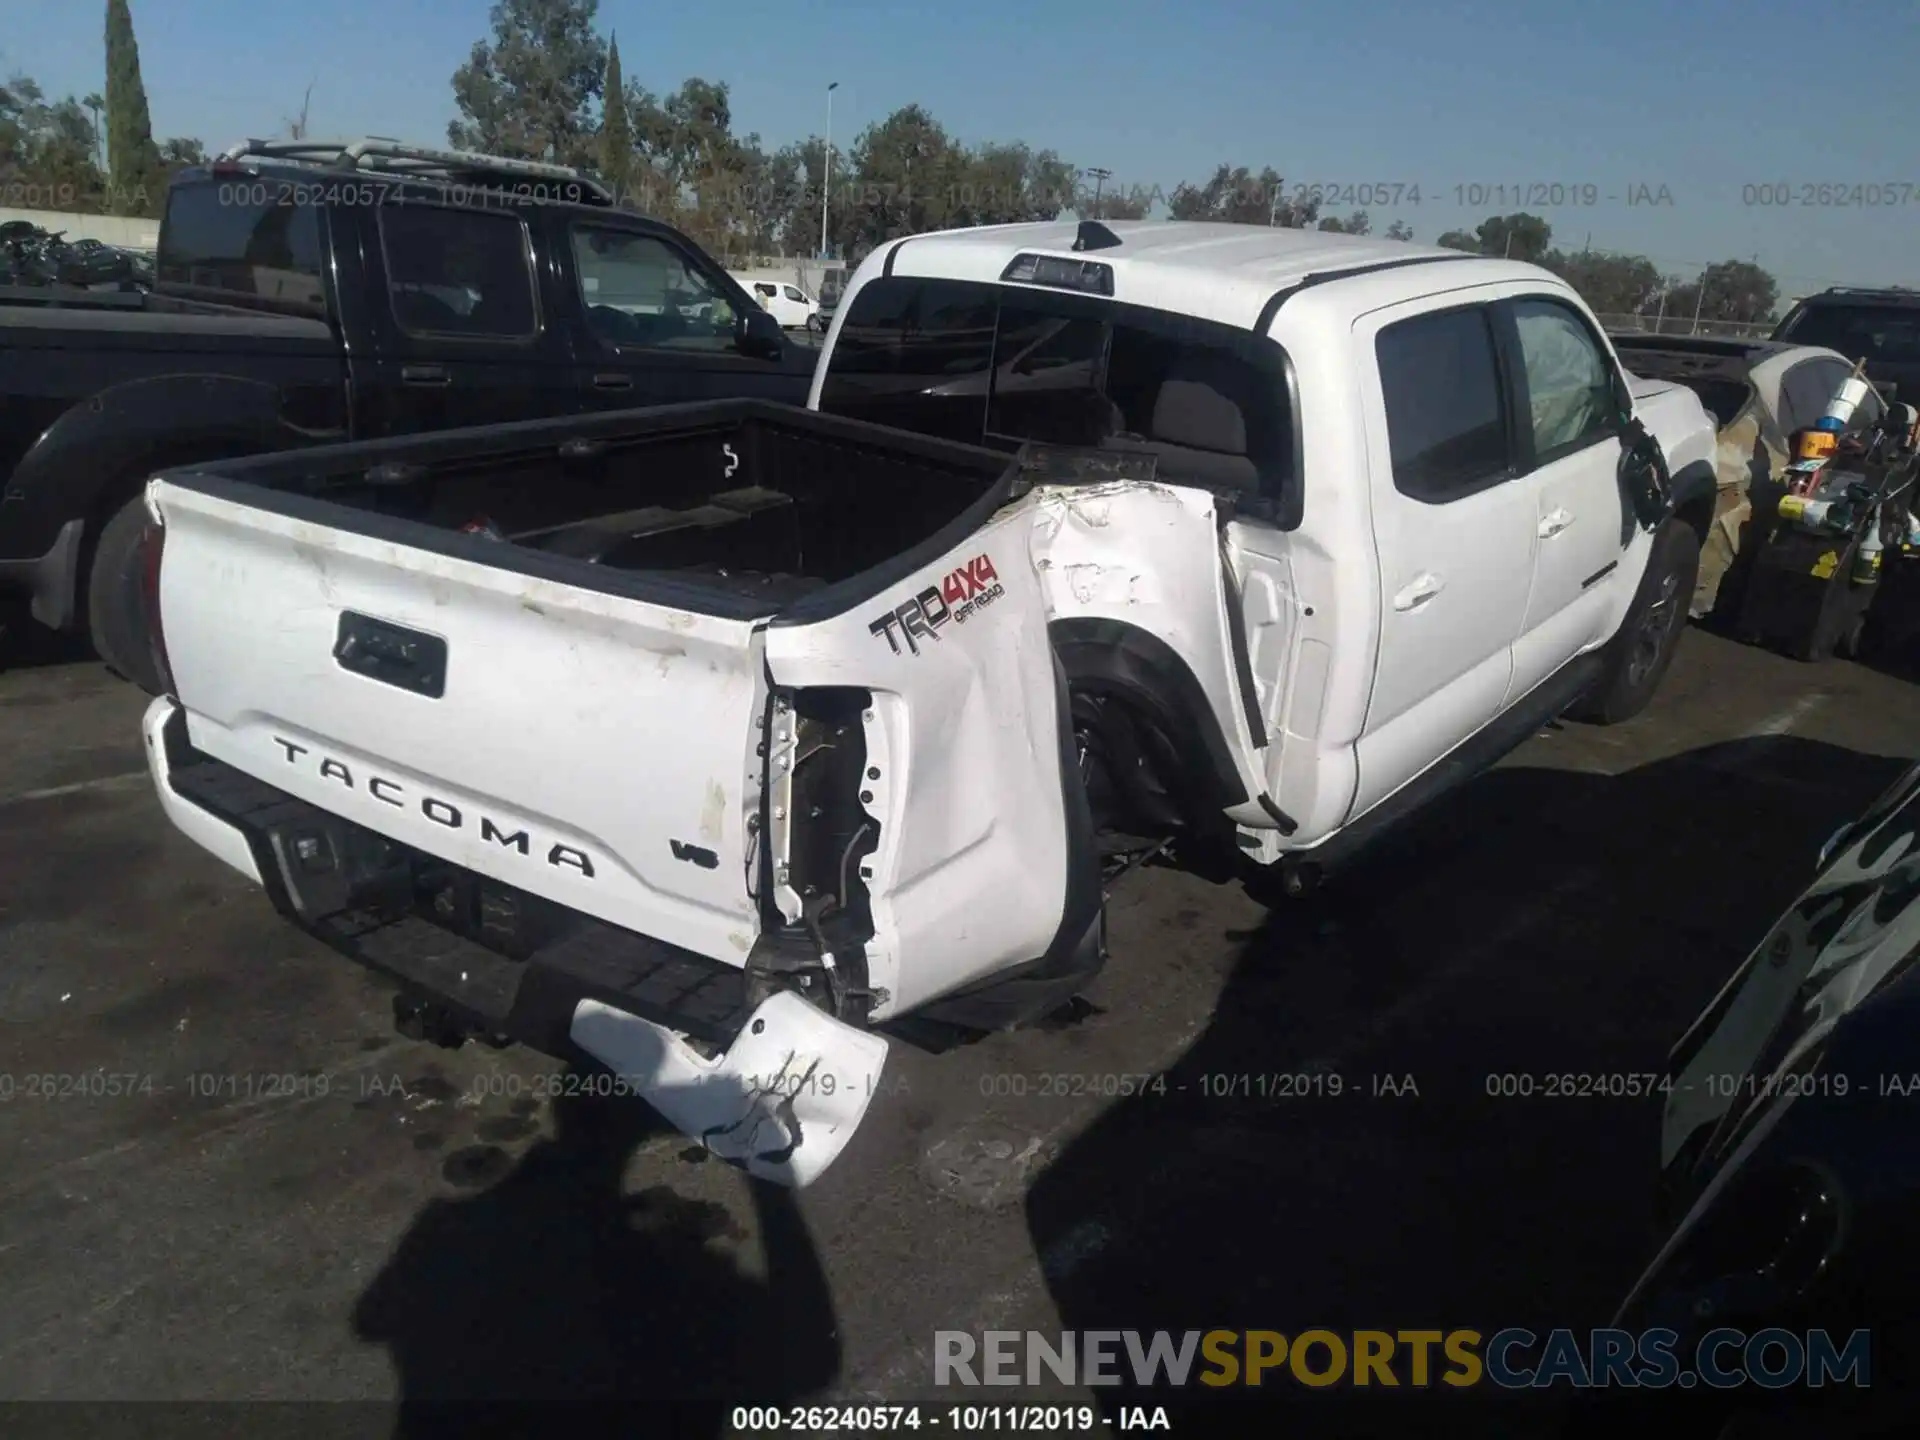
<point x="315" y="291"/>
<point x="758" y="728"/>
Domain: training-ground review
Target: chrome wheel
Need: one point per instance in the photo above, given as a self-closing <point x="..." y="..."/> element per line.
<point x="1656" y="630"/>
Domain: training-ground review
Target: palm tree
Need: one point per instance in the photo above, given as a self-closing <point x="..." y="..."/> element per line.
<point x="97" y="104"/>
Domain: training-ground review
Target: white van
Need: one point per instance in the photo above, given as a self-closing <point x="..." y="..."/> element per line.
<point x="793" y="307"/>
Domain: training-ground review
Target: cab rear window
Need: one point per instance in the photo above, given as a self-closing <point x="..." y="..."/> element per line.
<point x="999" y="365"/>
<point x="242" y="240"/>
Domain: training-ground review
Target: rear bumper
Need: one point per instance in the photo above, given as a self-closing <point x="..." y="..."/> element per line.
<point x="776" y="1086"/>
<point x="48" y="580"/>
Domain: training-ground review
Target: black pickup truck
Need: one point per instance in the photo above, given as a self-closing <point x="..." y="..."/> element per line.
<point x="309" y="292"/>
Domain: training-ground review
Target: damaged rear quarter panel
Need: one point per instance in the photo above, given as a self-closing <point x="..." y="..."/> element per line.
<point x="1147" y="554"/>
<point x="970" y="874"/>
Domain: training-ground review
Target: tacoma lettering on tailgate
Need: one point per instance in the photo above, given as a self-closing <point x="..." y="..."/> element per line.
<point x="956" y="597"/>
<point x="441" y="812"/>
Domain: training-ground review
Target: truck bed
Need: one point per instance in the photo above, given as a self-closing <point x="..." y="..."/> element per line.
<point x="748" y="704"/>
<point x="95" y="320"/>
<point x="750" y="504"/>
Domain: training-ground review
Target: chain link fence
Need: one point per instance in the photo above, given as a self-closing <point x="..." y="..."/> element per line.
<point x="1685" y="325"/>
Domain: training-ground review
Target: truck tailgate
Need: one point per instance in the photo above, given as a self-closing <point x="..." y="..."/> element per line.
<point x="360" y="673"/>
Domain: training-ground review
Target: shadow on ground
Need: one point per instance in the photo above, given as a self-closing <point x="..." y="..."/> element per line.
<point x="25" y="644"/>
<point x="1540" y="923"/>
<point x="553" y="1297"/>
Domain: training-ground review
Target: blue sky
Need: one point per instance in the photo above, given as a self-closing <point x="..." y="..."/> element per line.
<point x="1703" y="97"/>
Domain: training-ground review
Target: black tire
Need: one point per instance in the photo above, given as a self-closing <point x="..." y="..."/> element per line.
<point x="1642" y="649"/>
<point x="116" y="606"/>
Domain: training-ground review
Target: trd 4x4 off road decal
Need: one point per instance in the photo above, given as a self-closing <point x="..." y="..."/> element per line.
<point x="959" y="595"/>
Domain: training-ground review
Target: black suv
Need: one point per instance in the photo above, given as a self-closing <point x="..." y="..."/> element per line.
<point x="1880" y="326"/>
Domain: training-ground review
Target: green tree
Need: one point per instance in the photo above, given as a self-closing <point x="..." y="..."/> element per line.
<point x="906" y="172"/>
<point x="711" y="178"/>
<point x="1001" y="184"/>
<point x="1399" y="230"/>
<point x="96" y="106"/>
<point x="1519" y="236"/>
<point x="796" y="180"/>
<point x="1611" y="284"/>
<point x="179" y="152"/>
<point x="1730" y="292"/>
<point x="616" y="127"/>
<point x="1236" y="195"/>
<point x="1130" y="202"/>
<point x="529" y="92"/>
<point x="1740" y="291"/>
<point x="138" y="180"/>
<point x="48" y="152"/>
<point x="1357" y="223"/>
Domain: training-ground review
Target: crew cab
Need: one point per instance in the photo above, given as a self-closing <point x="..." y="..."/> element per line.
<point x="705" y="740"/>
<point x="308" y="292"/>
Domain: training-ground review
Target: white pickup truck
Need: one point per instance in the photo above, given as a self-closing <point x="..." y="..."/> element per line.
<point x="706" y="740"/>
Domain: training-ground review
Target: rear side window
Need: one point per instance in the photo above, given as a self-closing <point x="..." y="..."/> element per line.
<point x="238" y="238"/>
<point x="1010" y="364"/>
<point x="1446" y="418"/>
<point x="1876" y="332"/>
<point x="463" y="273"/>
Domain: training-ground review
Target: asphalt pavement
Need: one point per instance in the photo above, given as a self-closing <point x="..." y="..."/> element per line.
<point x="223" y="1176"/>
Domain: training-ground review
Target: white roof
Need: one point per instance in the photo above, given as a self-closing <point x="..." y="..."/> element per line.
<point x="1172" y="264"/>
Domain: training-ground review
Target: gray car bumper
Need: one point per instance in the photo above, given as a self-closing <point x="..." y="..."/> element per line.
<point x="48" y="580"/>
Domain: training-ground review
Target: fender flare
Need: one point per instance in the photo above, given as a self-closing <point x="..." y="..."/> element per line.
<point x="106" y="444"/>
<point x="1110" y="657"/>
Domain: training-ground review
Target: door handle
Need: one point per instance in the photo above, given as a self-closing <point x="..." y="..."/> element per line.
<point x="1423" y="589"/>
<point x="1554" y="523"/>
<point x="613" y="382"/>
<point x="423" y="375"/>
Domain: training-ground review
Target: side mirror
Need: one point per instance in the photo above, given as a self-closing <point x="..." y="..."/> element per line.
<point x="757" y="333"/>
<point x="1644" y="477"/>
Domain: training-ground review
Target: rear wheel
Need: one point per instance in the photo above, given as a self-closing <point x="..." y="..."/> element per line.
<point x="1641" y="651"/>
<point x="116" y="610"/>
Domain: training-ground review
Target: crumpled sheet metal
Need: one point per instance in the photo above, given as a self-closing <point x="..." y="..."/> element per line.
<point x="1743" y="443"/>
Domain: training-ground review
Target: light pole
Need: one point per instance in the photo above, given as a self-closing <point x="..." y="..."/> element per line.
<point x="1099" y="179"/>
<point x="826" y="170"/>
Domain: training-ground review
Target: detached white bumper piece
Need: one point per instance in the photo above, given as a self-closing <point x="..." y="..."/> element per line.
<point x="782" y="1102"/>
